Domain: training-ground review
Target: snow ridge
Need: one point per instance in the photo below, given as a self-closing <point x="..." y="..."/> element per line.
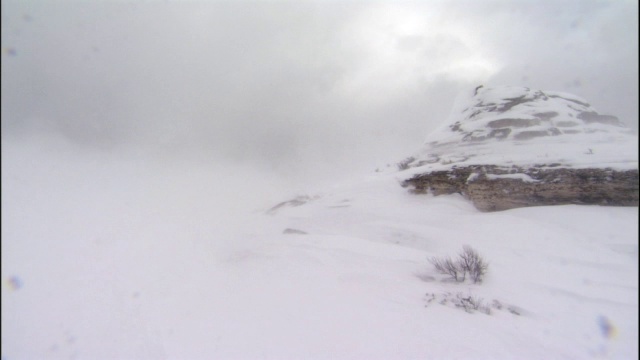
<point x="512" y="125"/>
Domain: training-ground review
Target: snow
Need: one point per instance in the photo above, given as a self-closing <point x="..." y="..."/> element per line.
<point x="472" y="177"/>
<point x="583" y="145"/>
<point x="114" y="257"/>
<point x="566" y="95"/>
<point x="523" y="177"/>
<point x="581" y="151"/>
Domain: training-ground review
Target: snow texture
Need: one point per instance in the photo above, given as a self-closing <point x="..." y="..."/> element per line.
<point x="105" y="259"/>
<point x="510" y="125"/>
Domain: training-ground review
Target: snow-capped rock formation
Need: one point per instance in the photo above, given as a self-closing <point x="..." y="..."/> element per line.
<point x="508" y="147"/>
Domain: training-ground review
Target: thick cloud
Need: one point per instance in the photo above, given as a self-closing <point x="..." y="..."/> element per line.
<point x="310" y="86"/>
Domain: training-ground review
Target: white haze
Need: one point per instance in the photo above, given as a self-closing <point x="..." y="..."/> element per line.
<point x="137" y="137"/>
<point x="111" y="258"/>
<point x="304" y="88"/>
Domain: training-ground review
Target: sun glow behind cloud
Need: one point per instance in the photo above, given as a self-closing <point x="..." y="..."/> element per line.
<point x="296" y="86"/>
<point x="399" y="47"/>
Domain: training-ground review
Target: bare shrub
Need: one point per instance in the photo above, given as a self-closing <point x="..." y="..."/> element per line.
<point x="471" y="304"/>
<point x="469" y="262"/>
<point x="448" y="267"/>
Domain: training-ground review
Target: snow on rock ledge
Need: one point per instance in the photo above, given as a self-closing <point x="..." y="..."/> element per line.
<point x="509" y="147"/>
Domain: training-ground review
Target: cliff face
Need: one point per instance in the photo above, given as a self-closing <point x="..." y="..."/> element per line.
<point x="511" y="147"/>
<point x="493" y="188"/>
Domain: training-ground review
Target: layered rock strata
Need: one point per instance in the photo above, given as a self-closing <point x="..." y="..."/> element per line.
<point x="511" y="147"/>
<point x="491" y="188"/>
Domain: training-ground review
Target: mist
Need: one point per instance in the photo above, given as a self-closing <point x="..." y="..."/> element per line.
<point x="143" y="142"/>
<point x="308" y="90"/>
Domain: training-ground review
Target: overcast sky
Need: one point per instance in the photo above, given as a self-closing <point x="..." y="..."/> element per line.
<point x="304" y="85"/>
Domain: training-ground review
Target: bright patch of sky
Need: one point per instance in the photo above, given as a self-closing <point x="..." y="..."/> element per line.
<point x="398" y="48"/>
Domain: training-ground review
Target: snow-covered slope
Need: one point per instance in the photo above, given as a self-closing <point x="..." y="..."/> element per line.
<point x="510" y="147"/>
<point x="561" y="281"/>
<point x="137" y="261"/>
<point x="511" y="125"/>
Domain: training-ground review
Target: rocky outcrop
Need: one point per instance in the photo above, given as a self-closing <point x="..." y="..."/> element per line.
<point x="491" y="188"/>
<point x="511" y="147"/>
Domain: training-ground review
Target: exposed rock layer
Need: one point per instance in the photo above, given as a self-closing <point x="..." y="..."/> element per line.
<point x="511" y="147"/>
<point x="491" y="188"/>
